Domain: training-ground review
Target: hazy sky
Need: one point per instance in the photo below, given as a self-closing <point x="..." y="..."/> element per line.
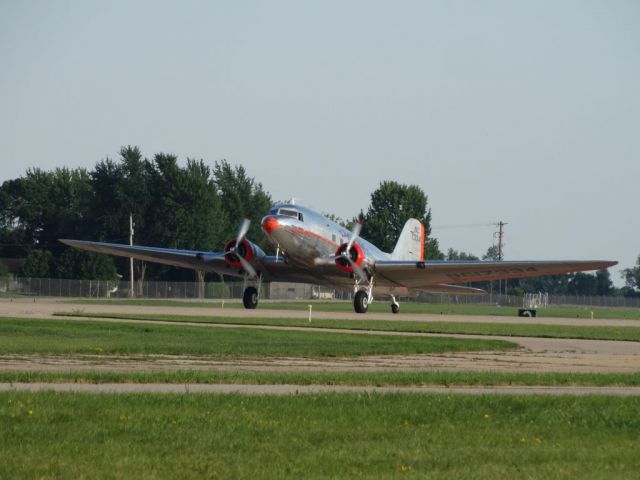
<point x="526" y="112"/>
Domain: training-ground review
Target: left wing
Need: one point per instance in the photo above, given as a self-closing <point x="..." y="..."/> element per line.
<point x="271" y="268"/>
<point x="198" y="260"/>
<point x="428" y="274"/>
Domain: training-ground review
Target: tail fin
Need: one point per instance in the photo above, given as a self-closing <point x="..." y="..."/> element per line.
<point x="410" y="245"/>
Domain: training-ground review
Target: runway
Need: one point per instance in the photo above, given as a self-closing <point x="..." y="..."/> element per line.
<point x="44" y="307"/>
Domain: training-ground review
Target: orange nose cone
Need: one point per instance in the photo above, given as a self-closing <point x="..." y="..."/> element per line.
<point x="269" y="224"/>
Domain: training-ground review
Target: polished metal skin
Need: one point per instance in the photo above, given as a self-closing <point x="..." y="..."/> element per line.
<point x="310" y="248"/>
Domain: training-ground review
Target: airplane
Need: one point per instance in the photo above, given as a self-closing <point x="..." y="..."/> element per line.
<point x="310" y="248"/>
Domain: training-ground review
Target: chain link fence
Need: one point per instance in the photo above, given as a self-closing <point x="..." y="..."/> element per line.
<point x="55" y="287"/>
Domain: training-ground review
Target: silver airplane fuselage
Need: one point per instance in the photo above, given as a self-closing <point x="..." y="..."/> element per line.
<point x="302" y="235"/>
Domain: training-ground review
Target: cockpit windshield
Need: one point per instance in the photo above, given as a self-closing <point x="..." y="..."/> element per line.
<point x="289" y="212"/>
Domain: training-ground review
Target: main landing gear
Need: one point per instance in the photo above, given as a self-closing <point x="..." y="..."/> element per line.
<point x="395" y="306"/>
<point x="250" y="297"/>
<point x="363" y="296"/>
<point x="361" y="301"/>
<point x="251" y="294"/>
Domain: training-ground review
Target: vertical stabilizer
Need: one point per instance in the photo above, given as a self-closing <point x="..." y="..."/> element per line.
<point x="410" y="245"/>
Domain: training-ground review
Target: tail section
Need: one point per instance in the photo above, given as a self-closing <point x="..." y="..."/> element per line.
<point x="410" y="245"/>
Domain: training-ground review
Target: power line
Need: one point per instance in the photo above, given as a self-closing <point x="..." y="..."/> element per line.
<point x="470" y="225"/>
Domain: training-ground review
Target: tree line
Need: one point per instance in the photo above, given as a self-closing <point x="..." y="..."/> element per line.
<point x="199" y="207"/>
<point x="189" y="207"/>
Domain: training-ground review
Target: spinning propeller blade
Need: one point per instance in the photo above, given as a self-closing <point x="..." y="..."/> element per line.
<point x="244" y="228"/>
<point x="242" y="232"/>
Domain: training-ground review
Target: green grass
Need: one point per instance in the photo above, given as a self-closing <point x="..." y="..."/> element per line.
<point x="503" y="329"/>
<point x="19" y="335"/>
<point x="63" y="435"/>
<point x="383" y="307"/>
<point x="391" y="378"/>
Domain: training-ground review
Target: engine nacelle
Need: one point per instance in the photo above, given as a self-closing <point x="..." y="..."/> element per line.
<point x="245" y="250"/>
<point x="355" y="253"/>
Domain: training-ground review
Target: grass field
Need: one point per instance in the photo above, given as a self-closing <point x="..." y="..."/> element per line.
<point x="390" y="378"/>
<point x="48" y="435"/>
<point x="503" y="329"/>
<point x="19" y="335"/>
<point x="383" y="307"/>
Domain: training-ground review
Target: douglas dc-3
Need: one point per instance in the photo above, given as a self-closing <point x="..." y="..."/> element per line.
<point x="313" y="249"/>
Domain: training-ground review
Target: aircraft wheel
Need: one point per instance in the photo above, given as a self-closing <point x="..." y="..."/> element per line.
<point x="361" y="302"/>
<point x="250" y="297"/>
<point x="395" y="308"/>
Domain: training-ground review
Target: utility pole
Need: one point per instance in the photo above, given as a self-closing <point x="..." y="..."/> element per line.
<point x="131" y="294"/>
<point x="501" y="225"/>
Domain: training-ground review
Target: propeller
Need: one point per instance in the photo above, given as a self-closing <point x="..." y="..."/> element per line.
<point x="355" y="232"/>
<point x="357" y="268"/>
<point x="244" y="228"/>
<point x="346" y="254"/>
<point x="242" y="232"/>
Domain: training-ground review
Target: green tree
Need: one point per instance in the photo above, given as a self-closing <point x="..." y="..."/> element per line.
<point x="241" y="197"/>
<point x="76" y="264"/>
<point x="191" y="207"/>
<point x="492" y="253"/>
<point x="632" y="277"/>
<point x="604" y="285"/>
<point x="392" y="204"/>
<point x="122" y="188"/>
<point x="4" y="271"/>
<point x="455" y="255"/>
<point x="582" y="284"/>
<point x="38" y="264"/>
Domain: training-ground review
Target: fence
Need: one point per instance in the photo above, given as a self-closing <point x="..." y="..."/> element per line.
<point x="54" y="287"/>
<point x="517" y="301"/>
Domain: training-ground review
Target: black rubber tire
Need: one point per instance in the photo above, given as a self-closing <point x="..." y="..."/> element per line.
<point x="361" y="302"/>
<point x="250" y="297"/>
<point x="395" y="308"/>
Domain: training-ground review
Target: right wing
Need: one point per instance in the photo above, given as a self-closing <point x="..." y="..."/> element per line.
<point x="426" y="275"/>
<point x="454" y="289"/>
